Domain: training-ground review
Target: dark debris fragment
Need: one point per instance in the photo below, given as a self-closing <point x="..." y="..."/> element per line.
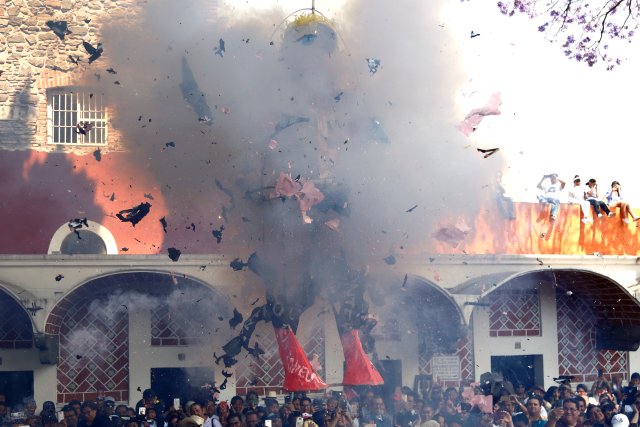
<point x="174" y="254"/>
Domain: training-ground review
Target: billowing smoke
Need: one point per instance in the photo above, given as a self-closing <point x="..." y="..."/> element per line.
<point x="197" y="324"/>
<point x="362" y="107"/>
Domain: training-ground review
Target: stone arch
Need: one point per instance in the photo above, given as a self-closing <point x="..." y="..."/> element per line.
<point x="16" y="325"/>
<point x="585" y="302"/>
<point x="94" y="234"/>
<point x="441" y="329"/>
<point x="92" y="323"/>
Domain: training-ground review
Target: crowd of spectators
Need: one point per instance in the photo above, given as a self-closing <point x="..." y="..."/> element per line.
<point x="491" y="403"/>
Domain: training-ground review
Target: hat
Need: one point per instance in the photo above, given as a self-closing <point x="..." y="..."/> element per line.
<point x="109" y="399"/>
<point x="576" y="178"/>
<point x="620" y="420"/>
<point x="272" y="394"/>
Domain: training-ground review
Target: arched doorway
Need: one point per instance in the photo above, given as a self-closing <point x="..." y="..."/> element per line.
<point x="95" y="320"/>
<point x="445" y="346"/>
<point x="16" y="337"/>
<point x="536" y="325"/>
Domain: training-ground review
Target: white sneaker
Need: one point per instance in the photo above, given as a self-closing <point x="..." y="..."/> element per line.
<point x="587" y="220"/>
<point x="612" y="214"/>
<point x="626" y="220"/>
<point x="600" y="215"/>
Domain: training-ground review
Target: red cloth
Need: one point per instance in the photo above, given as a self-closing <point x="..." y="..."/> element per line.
<point x="358" y="368"/>
<point x="298" y="373"/>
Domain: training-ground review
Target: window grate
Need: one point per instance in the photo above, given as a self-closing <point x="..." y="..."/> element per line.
<point x="66" y="109"/>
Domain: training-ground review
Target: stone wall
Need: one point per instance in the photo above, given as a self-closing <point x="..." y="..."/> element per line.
<point x="33" y="59"/>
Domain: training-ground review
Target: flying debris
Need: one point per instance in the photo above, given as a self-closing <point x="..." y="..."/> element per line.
<point x="113" y="197"/>
<point x="76" y="224"/>
<point x="236" y="319"/>
<point x="192" y="227"/>
<point x="170" y="144"/>
<point x="97" y="154"/>
<point x="474" y="34"/>
<point x="338" y="97"/>
<point x="255" y="301"/>
<point x="94" y="52"/>
<point x="193" y="95"/>
<point x="135" y="214"/>
<point x="59" y="28"/>
<point x="390" y="260"/>
<point x="227" y="360"/>
<point x="74" y="59"/>
<point x="148" y="196"/>
<point x="163" y="221"/>
<point x="256" y="351"/>
<point x="174" y="254"/>
<point x="220" y="50"/>
<point x="59" y="277"/>
<point x="223" y="386"/>
<point x="373" y="64"/>
<point x="488" y="152"/>
<point x="111" y="71"/>
<point x="83" y="128"/>
<point x="404" y="282"/>
<point x="288" y="121"/>
<point x="473" y="119"/>
<point x="217" y="233"/>
<point x="411" y="209"/>
<point x="238" y="265"/>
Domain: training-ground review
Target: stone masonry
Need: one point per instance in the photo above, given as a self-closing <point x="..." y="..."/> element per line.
<point x="34" y="59"/>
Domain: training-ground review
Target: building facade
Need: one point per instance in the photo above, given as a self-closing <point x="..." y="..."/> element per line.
<point x="101" y="308"/>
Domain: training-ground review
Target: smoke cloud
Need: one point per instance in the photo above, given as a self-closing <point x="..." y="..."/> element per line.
<point x="362" y="106"/>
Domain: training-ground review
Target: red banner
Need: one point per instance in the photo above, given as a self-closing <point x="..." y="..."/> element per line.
<point x="298" y="373"/>
<point x="358" y="368"/>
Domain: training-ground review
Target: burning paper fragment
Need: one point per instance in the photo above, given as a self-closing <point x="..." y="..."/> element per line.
<point x="473" y="119"/>
<point x="273" y="144"/>
<point x="286" y="186"/>
<point x="453" y="234"/>
<point x="333" y="224"/>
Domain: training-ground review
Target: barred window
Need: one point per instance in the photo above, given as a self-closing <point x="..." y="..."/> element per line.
<point x="76" y="117"/>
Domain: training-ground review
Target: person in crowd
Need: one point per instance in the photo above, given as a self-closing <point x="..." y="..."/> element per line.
<point x="237" y="406"/>
<point x="172" y="419"/>
<point x="234" y="420"/>
<point x="251" y="400"/>
<point x="70" y="416"/>
<point x="90" y="418"/>
<point x="211" y="416"/>
<point x="551" y="396"/>
<point x="614" y="200"/>
<point x="380" y="417"/>
<point x="533" y="412"/>
<point x="195" y="418"/>
<point x="251" y="419"/>
<point x="551" y="187"/>
<point x="223" y="411"/>
<point x="576" y="197"/>
<point x="150" y="400"/>
<point x="593" y="197"/>
<point x="565" y="416"/>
